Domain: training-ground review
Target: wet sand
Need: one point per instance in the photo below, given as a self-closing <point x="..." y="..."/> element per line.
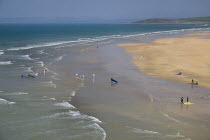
<point x="139" y="106"/>
<point x="166" y="57"/>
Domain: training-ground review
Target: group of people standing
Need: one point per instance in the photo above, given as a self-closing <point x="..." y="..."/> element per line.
<point x="182" y="100"/>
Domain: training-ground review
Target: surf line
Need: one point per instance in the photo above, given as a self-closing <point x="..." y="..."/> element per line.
<point x="167" y="116"/>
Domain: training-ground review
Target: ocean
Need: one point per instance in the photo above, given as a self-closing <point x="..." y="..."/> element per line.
<point x="48" y="106"/>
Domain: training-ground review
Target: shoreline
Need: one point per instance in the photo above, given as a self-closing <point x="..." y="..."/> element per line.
<point x="166" y="57"/>
<point x="139" y="103"/>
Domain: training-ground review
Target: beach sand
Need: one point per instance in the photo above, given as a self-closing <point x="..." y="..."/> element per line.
<point x="139" y="106"/>
<point x="165" y="57"/>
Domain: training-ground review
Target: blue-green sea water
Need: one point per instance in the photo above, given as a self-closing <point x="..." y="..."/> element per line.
<point x="40" y="108"/>
<point x="12" y="36"/>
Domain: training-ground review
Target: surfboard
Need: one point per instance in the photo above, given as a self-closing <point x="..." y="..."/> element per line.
<point x="188" y="103"/>
<point x="112" y="80"/>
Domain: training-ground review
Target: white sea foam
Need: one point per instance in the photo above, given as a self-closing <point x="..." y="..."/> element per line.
<point x="29" y="69"/>
<point x="25" y="57"/>
<point x="65" y="105"/>
<point x="73" y="115"/>
<point x="38" y="46"/>
<point x="53" y="99"/>
<point x="49" y="84"/>
<point x="57" y="59"/>
<point x="39" y="63"/>
<point x="17" y="93"/>
<point x="140" y="131"/>
<point x="73" y="93"/>
<point x="152" y="98"/>
<point x="53" y="76"/>
<point x="98" y="129"/>
<point x="6" y="63"/>
<point x="3" y="101"/>
<point x="187" y="139"/>
<point x="92" y="121"/>
<point x="77" y="115"/>
<point x="20" y="57"/>
<point x="178" y="135"/>
<point x="171" y="118"/>
<point x="1" y="52"/>
<point x="41" y="51"/>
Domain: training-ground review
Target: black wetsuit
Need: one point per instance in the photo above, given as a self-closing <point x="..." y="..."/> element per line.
<point x="182" y="100"/>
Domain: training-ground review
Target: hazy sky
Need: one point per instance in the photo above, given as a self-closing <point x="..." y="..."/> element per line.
<point x="105" y="9"/>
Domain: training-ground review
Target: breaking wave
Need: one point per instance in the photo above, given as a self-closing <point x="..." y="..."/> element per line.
<point x="65" y="105"/>
<point x="6" y="63"/>
<point x="3" y="101"/>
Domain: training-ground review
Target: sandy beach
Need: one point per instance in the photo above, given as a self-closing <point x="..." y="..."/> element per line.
<point x="139" y="106"/>
<point x="166" y="57"/>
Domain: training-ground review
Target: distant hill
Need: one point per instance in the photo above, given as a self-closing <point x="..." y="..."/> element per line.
<point x="197" y="20"/>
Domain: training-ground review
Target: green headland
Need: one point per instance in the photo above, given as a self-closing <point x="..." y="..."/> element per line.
<point x="196" y="20"/>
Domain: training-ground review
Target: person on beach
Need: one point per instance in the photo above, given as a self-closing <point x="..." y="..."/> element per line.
<point x="45" y="71"/>
<point x="93" y="78"/>
<point x="180" y="73"/>
<point x="182" y="100"/>
<point x="192" y="81"/>
<point x="196" y="83"/>
<point x="187" y="99"/>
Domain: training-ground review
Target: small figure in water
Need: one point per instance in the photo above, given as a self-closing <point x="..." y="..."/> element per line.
<point x="22" y="76"/>
<point x="93" y="78"/>
<point x="182" y="100"/>
<point x="45" y="70"/>
<point x="187" y="99"/>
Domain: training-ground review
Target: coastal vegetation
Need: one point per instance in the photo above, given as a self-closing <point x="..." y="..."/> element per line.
<point x="196" y="20"/>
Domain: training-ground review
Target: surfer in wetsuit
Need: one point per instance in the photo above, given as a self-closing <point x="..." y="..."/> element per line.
<point x="182" y="100"/>
<point x="187" y="99"/>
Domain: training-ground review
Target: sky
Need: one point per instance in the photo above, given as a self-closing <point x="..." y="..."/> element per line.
<point x="104" y="9"/>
